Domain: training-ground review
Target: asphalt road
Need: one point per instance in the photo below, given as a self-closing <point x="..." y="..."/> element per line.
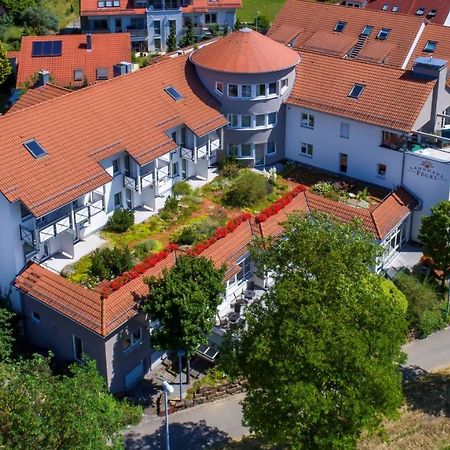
<point x="193" y="429"/>
<point x="431" y="353"/>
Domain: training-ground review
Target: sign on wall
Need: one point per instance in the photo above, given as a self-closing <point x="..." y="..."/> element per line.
<point x="426" y="169"/>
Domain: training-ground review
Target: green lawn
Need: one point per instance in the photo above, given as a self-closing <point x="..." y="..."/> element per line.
<point x="65" y="10"/>
<point x="268" y="8"/>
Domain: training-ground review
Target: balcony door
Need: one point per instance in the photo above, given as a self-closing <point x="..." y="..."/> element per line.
<point x="259" y="154"/>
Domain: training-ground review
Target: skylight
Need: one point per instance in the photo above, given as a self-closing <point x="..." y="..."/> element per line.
<point x="430" y="46"/>
<point x="385" y="7"/>
<point x="173" y="93"/>
<point x="356" y="90"/>
<point x="339" y="27"/>
<point x="46" y="48"/>
<point x="395" y="9"/>
<point x="420" y="12"/>
<point x="367" y="30"/>
<point x="35" y="148"/>
<point x="432" y="13"/>
<point x="383" y="34"/>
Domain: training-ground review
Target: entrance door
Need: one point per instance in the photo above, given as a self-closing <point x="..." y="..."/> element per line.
<point x="133" y="376"/>
<point x="259" y="154"/>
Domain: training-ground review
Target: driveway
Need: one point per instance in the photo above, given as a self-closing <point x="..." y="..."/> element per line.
<point x="197" y="428"/>
<point x="431" y="353"/>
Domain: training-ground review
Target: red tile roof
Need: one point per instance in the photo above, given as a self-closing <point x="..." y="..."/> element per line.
<point x="245" y="51"/>
<point x="410" y="7"/>
<point x="90" y="8"/>
<point x="38" y="95"/>
<point x="330" y="43"/>
<point x="312" y="17"/>
<point x="107" y="49"/>
<point x="392" y="98"/>
<point x="199" y="6"/>
<point x="79" y="129"/>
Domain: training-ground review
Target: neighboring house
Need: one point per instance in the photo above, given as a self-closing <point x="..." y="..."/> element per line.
<point x="150" y="21"/>
<point x="73" y="60"/>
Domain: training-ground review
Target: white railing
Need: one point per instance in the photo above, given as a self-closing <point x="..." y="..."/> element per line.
<point x="147" y="181"/>
<point x="129" y="183"/>
<point x="54" y="229"/>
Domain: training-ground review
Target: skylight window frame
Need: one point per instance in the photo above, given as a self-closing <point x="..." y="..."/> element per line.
<point x="364" y="31"/>
<point x="432" y="13"/>
<point x="173" y="93"/>
<point x="356" y="91"/>
<point x="340" y="26"/>
<point x="395" y="8"/>
<point x="420" y="11"/>
<point x="383" y="34"/>
<point x="385" y="7"/>
<point x="41" y="150"/>
<point x="430" y="46"/>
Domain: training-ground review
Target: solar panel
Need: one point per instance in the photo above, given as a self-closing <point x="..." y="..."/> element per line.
<point x="35" y="148"/>
<point x="46" y="48"/>
<point x="356" y="91"/>
<point x="173" y="93"/>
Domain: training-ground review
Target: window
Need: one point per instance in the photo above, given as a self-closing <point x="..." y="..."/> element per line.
<point x="211" y="18"/>
<point x="272" y="88"/>
<point x="272" y="118"/>
<point x="261" y="90"/>
<point x="383" y="34"/>
<point x="246" y="90"/>
<point x="233" y="118"/>
<point x="233" y="149"/>
<point x="260" y="120"/>
<point x="116" y="166"/>
<point x="345" y="130"/>
<point x="232" y="90"/>
<point x="420" y="12"/>
<point x="157" y="44"/>
<point x="307" y="120"/>
<point x="395" y="9"/>
<point x="101" y="4"/>
<point x="35" y="148"/>
<point x="102" y="73"/>
<point x="432" y="13"/>
<point x="173" y="93"/>
<point x="219" y="87"/>
<point x="245" y="271"/>
<point x="100" y="25"/>
<point x="175" y="169"/>
<point x="385" y="7"/>
<point x="246" y="121"/>
<point x="118" y="200"/>
<point x="381" y="170"/>
<point x="246" y="150"/>
<point x="356" y="90"/>
<point x="284" y="85"/>
<point x="35" y="318"/>
<point x="78" y="75"/>
<point x="343" y="162"/>
<point x="339" y="27"/>
<point x="24" y="211"/>
<point x="157" y="27"/>
<point x="367" y="30"/>
<point x="173" y="25"/>
<point x="430" y="46"/>
<point x="306" y="149"/>
<point x="132" y="339"/>
<point x="77" y="348"/>
<point x="270" y="149"/>
<point x="29" y="249"/>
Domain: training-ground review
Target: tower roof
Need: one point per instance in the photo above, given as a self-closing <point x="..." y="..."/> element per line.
<point x="245" y="51"/>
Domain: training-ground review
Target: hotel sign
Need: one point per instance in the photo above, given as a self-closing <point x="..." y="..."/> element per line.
<point x="426" y="170"/>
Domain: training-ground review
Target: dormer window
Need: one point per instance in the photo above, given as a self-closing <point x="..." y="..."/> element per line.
<point x="356" y="91"/>
<point x="35" y="148"/>
<point x="339" y="27"/>
<point x="430" y="46"/>
<point x="420" y="12"/>
<point x="383" y="34"/>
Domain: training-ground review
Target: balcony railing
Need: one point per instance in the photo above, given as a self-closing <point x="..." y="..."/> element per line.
<point x="57" y="227"/>
<point x="27" y="235"/>
<point x="147" y="180"/>
<point x="129" y="183"/>
<point x="137" y="33"/>
<point x="187" y="153"/>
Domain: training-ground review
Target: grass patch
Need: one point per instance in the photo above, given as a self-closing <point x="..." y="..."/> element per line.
<point x="65" y="10"/>
<point x="268" y="8"/>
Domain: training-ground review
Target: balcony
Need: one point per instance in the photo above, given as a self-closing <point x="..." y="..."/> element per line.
<point x="187" y="153"/>
<point x="85" y="212"/>
<point x="47" y="232"/>
<point x="137" y="33"/>
<point x="130" y="183"/>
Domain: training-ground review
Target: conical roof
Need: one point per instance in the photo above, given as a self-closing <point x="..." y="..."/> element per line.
<point x="245" y="51"/>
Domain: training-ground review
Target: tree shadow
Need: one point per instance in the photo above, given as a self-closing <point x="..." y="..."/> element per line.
<point x="183" y="436"/>
<point x="429" y="393"/>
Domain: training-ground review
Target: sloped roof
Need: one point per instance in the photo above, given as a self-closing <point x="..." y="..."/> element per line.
<point x="392" y="98"/>
<point x="199" y="6"/>
<point x="331" y="43"/>
<point x="90" y="8"/>
<point x="38" y="95"/>
<point x="79" y="129"/>
<point x="245" y="51"/>
<point x="107" y="49"/>
<point x="310" y="17"/>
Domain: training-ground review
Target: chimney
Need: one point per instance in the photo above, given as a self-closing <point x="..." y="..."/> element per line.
<point x="89" y="42"/>
<point x="43" y="78"/>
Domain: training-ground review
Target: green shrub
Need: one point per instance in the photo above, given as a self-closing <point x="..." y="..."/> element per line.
<point x="182" y="189"/>
<point x="144" y="248"/>
<point x="425" y="307"/>
<point x="120" y="221"/>
<point x="246" y="190"/>
<point x="171" y="204"/>
<point x="187" y="236"/>
<point x="327" y="189"/>
<point x="229" y="167"/>
<point x="108" y="263"/>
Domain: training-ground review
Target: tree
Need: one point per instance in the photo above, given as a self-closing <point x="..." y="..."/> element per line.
<point x="17" y="7"/>
<point x="39" y="20"/>
<point x="262" y="23"/>
<point x="435" y="237"/>
<point x="188" y="38"/>
<point x="6" y="333"/>
<point x="321" y="352"/>
<point x="185" y="301"/>
<point x="5" y="66"/>
<point x="171" y="41"/>
<point x="238" y="25"/>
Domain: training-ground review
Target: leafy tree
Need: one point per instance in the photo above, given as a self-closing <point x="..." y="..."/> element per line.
<point x="17" y="7"/>
<point x="6" y="333"/>
<point x="246" y="190"/>
<point x="188" y="38"/>
<point x="108" y="263"/>
<point x="5" y="66"/>
<point x="185" y="301"/>
<point x="435" y="238"/>
<point x="39" y="20"/>
<point x="120" y="221"/>
<point x="238" y="25"/>
<point x="321" y="353"/>
<point x="171" y="41"/>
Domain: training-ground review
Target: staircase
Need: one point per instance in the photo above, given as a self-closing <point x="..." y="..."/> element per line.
<point x="358" y="46"/>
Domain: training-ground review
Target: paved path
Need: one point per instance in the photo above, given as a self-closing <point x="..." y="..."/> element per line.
<point x="431" y="353"/>
<point x="192" y="429"/>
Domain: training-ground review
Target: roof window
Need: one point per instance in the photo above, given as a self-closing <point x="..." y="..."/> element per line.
<point x="46" y="48"/>
<point x="430" y="46"/>
<point x="367" y="30"/>
<point x="432" y="13"/>
<point x="385" y="7"/>
<point x="356" y="90"/>
<point x="383" y="34"/>
<point x="173" y="93"/>
<point x="395" y="9"/>
<point x="102" y="73"/>
<point x="35" y="148"/>
<point x="339" y="27"/>
<point x="420" y="12"/>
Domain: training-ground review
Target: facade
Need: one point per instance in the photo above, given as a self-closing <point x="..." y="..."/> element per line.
<point x="150" y="21"/>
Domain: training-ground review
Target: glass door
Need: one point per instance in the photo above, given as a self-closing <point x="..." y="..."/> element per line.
<point x="259" y="154"/>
